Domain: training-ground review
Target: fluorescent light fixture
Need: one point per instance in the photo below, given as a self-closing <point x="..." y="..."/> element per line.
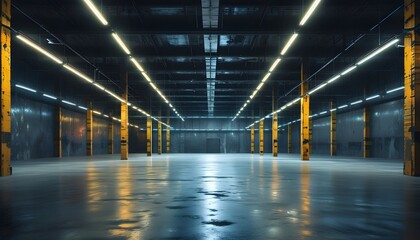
<point x="121" y="43"/>
<point x="383" y="48"/>
<point x="357" y="102"/>
<point x="146" y="76"/>
<point x="39" y="49"/>
<point x="395" y="89"/>
<point x="289" y="43"/>
<point x="106" y="115"/>
<point x="73" y="70"/>
<point x="274" y="64"/>
<point x="309" y="12"/>
<point x="114" y="95"/>
<point x="138" y="66"/>
<point x="99" y="86"/>
<point x="49" y="96"/>
<point x="296" y="100"/>
<point x="373" y="97"/>
<point x="334" y="78"/>
<point x="333" y="110"/>
<point x="324" y="112"/>
<point x="96" y="112"/>
<point x="317" y="88"/>
<point x="26" y="88"/>
<point x="348" y="70"/>
<point x="343" y="106"/>
<point x="266" y="77"/>
<point x="67" y="102"/>
<point x="260" y="86"/>
<point x="96" y="12"/>
<point x="84" y="108"/>
<point x="170" y="105"/>
<point x="153" y="86"/>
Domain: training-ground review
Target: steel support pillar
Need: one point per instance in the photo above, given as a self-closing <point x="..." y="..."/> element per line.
<point x="304" y="115"/>
<point x="310" y="135"/>
<point x="412" y="88"/>
<point x="366" y="133"/>
<point x="89" y="130"/>
<point x="289" y="139"/>
<point x="333" y="130"/>
<point x="159" y="138"/>
<point x="261" y="137"/>
<point x="168" y="136"/>
<point x="252" y="139"/>
<point x="124" y="121"/>
<point x="58" y="152"/>
<point x="110" y="137"/>
<point x="5" y="164"/>
<point x="275" y="135"/>
<point x="149" y="136"/>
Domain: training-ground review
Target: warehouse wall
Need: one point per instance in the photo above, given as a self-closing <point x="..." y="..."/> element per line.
<point x="33" y="128"/>
<point x="386" y="132"/>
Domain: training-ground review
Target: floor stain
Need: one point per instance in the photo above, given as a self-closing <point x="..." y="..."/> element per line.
<point x="219" y="223"/>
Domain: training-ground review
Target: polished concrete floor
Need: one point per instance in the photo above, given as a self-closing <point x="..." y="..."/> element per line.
<point x="202" y="196"/>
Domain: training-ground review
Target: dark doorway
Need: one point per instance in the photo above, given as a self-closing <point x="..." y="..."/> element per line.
<point x="213" y="145"/>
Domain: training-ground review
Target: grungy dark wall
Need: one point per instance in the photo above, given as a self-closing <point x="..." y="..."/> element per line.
<point x="387" y="130"/>
<point x="350" y="133"/>
<point x="73" y="133"/>
<point x="321" y="136"/>
<point x="100" y="136"/>
<point x="32" y="129"/>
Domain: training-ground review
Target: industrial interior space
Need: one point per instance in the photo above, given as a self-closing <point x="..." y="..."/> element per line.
<point x="210" y="119"/>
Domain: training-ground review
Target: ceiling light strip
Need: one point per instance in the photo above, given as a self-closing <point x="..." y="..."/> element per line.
<point x="124" y="47"/>
<point x="347" y="71"/>
<point x="74" y="71"/>
<point x="288" y="45"/>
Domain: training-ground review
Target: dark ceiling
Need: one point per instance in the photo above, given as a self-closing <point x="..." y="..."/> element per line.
<point x="169" y="39"/>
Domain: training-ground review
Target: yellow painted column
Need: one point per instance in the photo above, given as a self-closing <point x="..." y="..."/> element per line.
<point x="124" y="122"/>
<point x="261" y="137"/>
<point x="110" y="137"/>
<point x="89" y="130"/>
<point x="310" y="135"/>
<point x="252" y="139"/>
<point x="275" y="135"/>
<point x="304" y="116"/>
<point x="149" y="136"/>
<point x="412" y="89"/>
<point x="159" y="138"/>
<point x="58" y="152"/>
<point x="366" y="133"/>
<point x="168" y="136"/>
<point x="5" y="164"/>
<point x="333" y="130"/>
<point x="289" y="139"/>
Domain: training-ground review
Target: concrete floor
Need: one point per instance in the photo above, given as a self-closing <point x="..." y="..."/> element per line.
<point x="201" y="196"/>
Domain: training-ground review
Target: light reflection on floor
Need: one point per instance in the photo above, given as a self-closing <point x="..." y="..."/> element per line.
<point x="199" y="196"/>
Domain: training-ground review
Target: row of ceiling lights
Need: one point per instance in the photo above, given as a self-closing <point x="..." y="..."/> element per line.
<point x="369" y="56"/>
<point x="124" y="47"/>
<point x="81" y="75"/>
<point x="346" y="105"/>
<point x="282" y="53"/>
<point x="54" y="98"/>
